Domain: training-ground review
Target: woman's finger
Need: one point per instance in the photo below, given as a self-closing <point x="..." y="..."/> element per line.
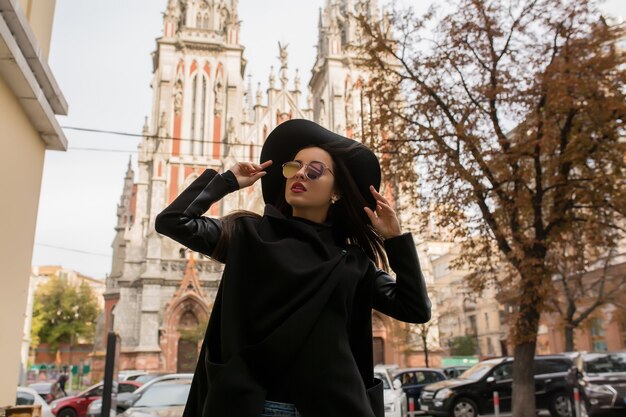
<point x="258" y="175"/>
<point x="385" y="207"/>
<point x="266" y="164"/>
<point x="370" y="214"/>
<point x="378" y="196"/>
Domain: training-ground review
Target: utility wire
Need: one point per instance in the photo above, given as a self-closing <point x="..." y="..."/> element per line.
<point x="73" y="250"/>
<point x="138" y="135"/>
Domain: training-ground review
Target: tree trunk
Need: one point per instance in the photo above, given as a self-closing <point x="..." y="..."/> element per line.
<point x="523" y="404"/>
<point x="425" y="350"/>
<point x="569" y="338"/>
<point x="525" y="341"/>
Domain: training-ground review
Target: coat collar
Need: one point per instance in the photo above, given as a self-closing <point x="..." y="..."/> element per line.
<point x="323" y="230"/>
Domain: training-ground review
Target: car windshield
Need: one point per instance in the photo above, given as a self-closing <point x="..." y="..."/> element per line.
<point x="145" y="378"/>
<point x="477" y="371"/>
<point x="599" y="363"/>
<point x="94" y="390"/>
<point x="41" y="388"/>
<point x="161" y="395"/>
<point x="384" y="379"/>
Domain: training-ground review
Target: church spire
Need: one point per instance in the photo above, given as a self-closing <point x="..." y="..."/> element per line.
<point x="216" y="19"/>
<point x="125" y="208"/>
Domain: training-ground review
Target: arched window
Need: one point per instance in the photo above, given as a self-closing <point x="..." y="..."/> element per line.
<point x="188" y="320"/>
<point x="203" y="105"/>
<point x="194" y="102"/>
<point x="202" y="20"/>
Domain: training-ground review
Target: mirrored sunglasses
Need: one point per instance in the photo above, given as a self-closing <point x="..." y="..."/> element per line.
<point x="312" y="170"/>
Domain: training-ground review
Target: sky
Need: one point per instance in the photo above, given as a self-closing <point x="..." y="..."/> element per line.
<point x="100" y="55"/>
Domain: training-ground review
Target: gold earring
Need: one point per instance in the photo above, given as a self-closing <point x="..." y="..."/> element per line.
<point x="333" y="199"/>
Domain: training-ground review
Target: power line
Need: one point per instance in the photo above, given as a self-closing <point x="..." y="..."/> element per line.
<point x="138" y="135"/>
<point x="73" y="250"/>
<point x="113" y="132"/>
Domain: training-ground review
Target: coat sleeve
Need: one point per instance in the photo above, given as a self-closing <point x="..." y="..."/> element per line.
<point x="183" y="219"/>
<point x="406" y="298"/>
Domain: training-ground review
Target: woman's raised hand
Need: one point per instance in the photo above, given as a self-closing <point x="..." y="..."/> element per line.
<point x="247" y="173"/>
<point x="384" y="219"/>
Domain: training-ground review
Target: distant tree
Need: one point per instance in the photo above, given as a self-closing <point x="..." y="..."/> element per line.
<point x="63" y="312"/>
<point x="422" y="332"/>
<point x="585" y="283"/>
<point x="516" y="111"/>
<point x="463" y="346"/>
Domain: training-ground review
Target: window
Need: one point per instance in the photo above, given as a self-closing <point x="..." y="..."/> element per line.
<point x="430" y="377"/>
<point x="597" y="335"/>
<point x="551" y="366"/>
<point x="473" y="330"/>
<point x="126" y="388"/>
<point x="487" y="322"/>
<point x="202" y="110"/>
<point x="489" y="346"/>
<point x="96" y="392"/>
<point x="194" y="94"/>
<point x="24" y="398"/>
<point x="407" y="378"/>
<point x="503" y="372"/>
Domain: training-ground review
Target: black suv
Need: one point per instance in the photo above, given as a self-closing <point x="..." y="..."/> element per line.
<point x="472" y="392"/>
<point x="601" y="380"/>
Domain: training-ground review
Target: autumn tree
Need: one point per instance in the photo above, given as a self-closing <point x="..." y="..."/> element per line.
<point x="515" y="109"/>
<point x="63" y="311"/>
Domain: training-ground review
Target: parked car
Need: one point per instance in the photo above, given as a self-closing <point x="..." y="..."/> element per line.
<point x="472" y="392"/>
<point x="394" y="396"/>
<point x="413" y="380"/>
<point x="76" y="405"/>
<point x="49" y="391"/>
<point x="125" y="401"/>
<point x="147" y="377"/>
<point x="165" y="398"/>
<point x="28" y="396"/>
<point x="601" y="380"/>
<point x="130" y="375"/>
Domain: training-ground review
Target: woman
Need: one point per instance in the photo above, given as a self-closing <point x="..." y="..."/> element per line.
<point x="290" y="332"/>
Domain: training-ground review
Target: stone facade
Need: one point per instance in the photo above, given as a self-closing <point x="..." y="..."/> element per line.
<point x="205" y="116"/>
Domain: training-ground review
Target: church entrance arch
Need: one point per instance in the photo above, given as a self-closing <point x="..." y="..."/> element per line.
<point x="188" y="342"/>
<point x="181" y="340"/>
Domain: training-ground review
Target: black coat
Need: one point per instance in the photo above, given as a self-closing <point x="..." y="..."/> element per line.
<point x="293" y="310"/>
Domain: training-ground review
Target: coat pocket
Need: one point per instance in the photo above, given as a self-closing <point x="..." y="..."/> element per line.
<point x="375" y="395"/>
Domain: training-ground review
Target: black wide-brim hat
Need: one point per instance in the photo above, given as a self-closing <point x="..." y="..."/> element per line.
<point x="284" y="142"/>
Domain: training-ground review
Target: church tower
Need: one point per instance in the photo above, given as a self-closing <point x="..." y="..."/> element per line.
<point x="196" y="119"/>
<point x="204" y="115"/>
<point x="337" y="79"/>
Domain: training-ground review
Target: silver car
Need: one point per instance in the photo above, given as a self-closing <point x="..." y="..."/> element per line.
<point x="163" y="399"/>
<point x="126" y="400"/>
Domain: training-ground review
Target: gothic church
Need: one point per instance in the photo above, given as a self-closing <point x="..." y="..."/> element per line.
<point x="205" y="116"/>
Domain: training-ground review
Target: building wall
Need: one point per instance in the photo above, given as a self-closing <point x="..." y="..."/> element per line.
<point x="40" y="14"/>
<point x="64" y="354"/>
<point x="604" y="331"/>
<point x="29" y="100"/>
<point x="21" y="167"/>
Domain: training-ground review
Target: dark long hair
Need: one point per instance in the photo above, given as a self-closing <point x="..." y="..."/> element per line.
<point x="350" y="223"/>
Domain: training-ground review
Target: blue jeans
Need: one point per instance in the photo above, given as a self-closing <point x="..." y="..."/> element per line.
<point x="276" y="409"/>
